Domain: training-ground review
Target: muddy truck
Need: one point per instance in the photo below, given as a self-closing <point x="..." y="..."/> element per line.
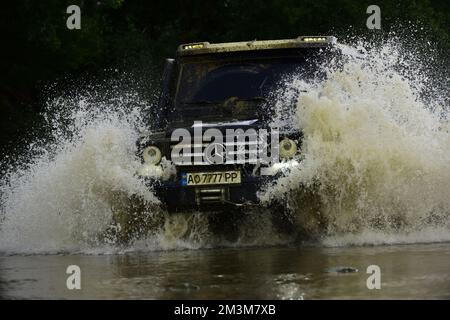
<point x="217" y="145"/>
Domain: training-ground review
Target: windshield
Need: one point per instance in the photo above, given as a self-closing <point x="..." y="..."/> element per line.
<point x="203" y="81"/>
<point x="232" y="87"/>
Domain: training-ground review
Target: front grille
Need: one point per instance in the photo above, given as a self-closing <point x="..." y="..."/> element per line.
<point x="228" y="153"/>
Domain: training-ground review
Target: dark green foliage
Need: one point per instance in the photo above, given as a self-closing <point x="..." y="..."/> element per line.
<point x="38" y="49"/>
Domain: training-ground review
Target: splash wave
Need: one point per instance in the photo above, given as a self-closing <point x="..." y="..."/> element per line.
<point x="376" y="150"/>
<point x="374" y="167"/>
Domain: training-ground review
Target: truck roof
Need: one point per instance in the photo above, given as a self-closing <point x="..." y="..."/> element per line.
<point x="299" y="42"/>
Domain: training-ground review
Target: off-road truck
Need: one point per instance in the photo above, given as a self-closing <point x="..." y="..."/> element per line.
<point x="216" y="100"/>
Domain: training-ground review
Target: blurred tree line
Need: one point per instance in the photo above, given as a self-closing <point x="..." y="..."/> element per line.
<point x="38" y="49"/>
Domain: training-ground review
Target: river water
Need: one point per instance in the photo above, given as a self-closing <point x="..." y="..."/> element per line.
<point x="419" y="271"/>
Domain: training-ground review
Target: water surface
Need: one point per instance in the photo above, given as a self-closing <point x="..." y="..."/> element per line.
<point x="407" y="272"/>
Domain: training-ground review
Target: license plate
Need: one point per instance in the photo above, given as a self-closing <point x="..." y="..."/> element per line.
<point x="208" y="178"/>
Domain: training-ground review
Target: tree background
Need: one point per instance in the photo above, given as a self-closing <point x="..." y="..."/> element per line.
<point x="136" y="35"/>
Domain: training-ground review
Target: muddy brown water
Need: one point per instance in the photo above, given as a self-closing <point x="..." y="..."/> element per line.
<point x="412" y="271"/>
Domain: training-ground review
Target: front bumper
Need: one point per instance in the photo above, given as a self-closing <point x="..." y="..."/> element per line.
<point x="166" y="183"/>
<point x="179" y="198"/>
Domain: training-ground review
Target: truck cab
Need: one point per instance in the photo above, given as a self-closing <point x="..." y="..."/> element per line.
<point x="216" y="145"/>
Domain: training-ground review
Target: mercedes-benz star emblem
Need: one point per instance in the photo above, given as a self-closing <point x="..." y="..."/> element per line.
<point x="215" y="153"/>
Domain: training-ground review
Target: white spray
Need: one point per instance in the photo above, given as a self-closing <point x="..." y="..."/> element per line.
<point x="375" y="164"/>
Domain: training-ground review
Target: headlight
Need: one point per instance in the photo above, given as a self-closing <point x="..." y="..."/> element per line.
<point x="151" y="155"/>
<point x="288" y="148"/>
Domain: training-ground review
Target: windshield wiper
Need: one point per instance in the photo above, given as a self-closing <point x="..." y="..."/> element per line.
<point x="200" y="102"/>
<point x="262" y="99"/>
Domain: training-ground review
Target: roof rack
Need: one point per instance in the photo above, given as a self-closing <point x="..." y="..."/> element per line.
<point x="299" y="42"/>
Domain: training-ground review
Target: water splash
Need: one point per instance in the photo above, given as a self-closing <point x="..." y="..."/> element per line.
<point x="376" y="150"/>
<point x="61" y="197"/>
<point x="374" y="167"/>
<point x="78" y="181"/>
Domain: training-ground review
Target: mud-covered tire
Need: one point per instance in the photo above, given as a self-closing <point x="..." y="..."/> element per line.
<point x="132" y="219"/>
<point x="175" y="225"/>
